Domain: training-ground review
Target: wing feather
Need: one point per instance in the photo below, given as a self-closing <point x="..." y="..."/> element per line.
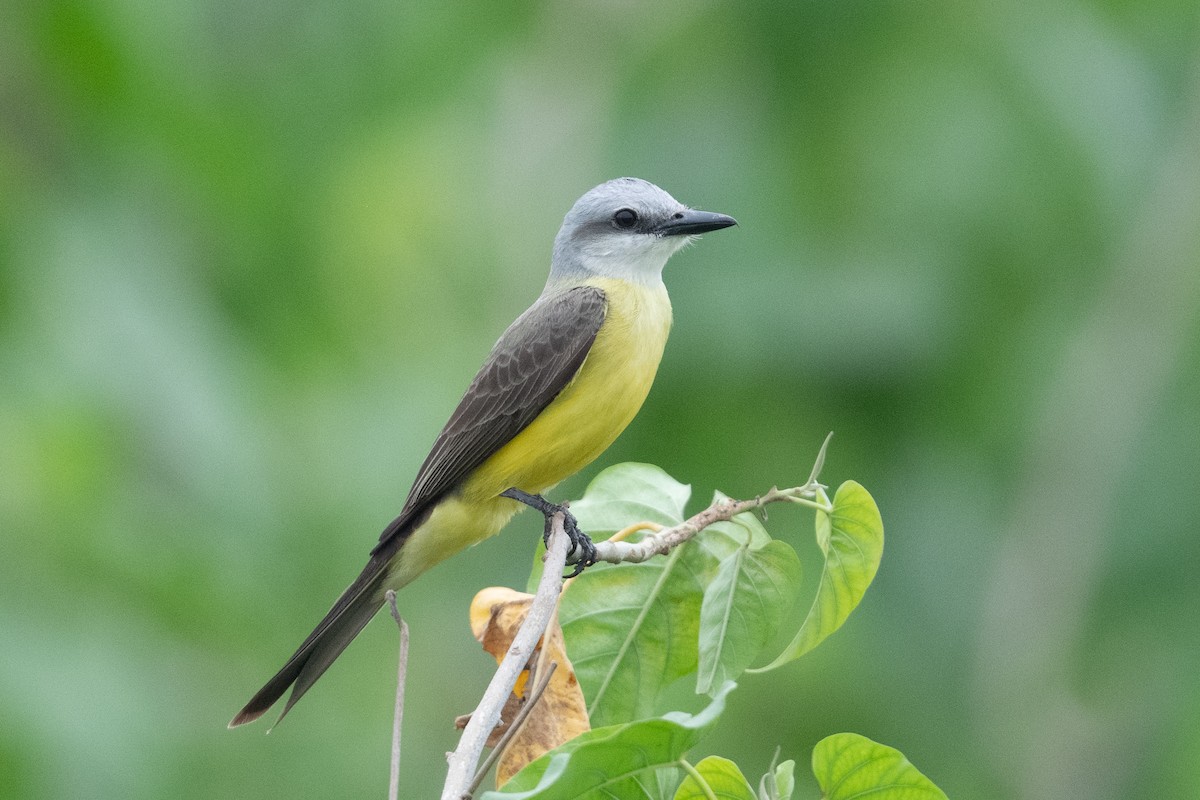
<point x="531" y="363"/>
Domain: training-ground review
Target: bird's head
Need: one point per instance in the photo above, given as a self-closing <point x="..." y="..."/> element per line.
<point x="627" y="228"/>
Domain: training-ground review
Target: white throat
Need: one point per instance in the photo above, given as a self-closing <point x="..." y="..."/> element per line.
<point x="638" y="258"/>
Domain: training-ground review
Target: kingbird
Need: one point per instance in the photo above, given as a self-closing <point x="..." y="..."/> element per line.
<point x="557" y="388"/>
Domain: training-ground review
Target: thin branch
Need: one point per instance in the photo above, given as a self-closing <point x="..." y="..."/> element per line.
<point x="811" y="494"/>
<point x="401" y="677"/>
<point x="487" y="715"/>
<point x="514" y="728"/>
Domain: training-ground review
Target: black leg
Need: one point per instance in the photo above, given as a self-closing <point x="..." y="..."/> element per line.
<point x="579" y="540"/>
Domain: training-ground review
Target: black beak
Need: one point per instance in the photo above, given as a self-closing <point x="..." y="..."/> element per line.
<point x="689" y="222"/>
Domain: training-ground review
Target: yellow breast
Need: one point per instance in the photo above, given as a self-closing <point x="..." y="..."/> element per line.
<point x="577" y="426"/>
<point x="589" y="414"/>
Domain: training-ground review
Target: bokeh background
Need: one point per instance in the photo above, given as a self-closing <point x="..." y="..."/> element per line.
<point x="251" y="254"/>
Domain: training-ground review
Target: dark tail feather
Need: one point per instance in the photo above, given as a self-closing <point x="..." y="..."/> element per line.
<point x="349" y="615"/>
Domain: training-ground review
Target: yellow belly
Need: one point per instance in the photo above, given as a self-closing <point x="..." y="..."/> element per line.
<point x="578" y="425"/>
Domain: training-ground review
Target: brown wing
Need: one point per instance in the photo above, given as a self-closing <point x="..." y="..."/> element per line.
<point x="532" y="362"/>
<point x="535" y="358"/>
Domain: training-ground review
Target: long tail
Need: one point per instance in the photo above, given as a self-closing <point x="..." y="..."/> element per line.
<point x="349" y="615"/>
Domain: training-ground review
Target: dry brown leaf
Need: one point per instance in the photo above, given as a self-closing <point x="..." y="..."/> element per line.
<point x="560" y="715"/>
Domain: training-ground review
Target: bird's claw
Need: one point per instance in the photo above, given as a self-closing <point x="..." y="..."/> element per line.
<point x="579" y="540"/>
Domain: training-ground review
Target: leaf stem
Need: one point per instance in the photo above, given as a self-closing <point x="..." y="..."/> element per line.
<point x="819" y="506"/>
<point x="698" y="778"/>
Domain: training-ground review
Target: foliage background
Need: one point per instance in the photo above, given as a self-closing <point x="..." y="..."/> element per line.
<point x="251" y="253"/>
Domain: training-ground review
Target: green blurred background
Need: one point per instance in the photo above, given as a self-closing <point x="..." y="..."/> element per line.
<point x="251" y="254"/>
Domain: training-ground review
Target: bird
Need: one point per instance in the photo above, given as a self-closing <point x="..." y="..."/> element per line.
<point x="558" y="387"/>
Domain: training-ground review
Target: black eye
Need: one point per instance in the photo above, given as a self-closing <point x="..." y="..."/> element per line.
<point x="625" y="218"/>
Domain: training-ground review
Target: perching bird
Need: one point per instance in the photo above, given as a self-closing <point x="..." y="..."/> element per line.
<point x="558" y="387"/>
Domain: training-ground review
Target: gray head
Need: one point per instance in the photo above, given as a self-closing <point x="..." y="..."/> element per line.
<point x="626" y="228"/>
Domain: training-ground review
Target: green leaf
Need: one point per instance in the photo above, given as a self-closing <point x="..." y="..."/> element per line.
<point x="779" y="783"/>
<point x="743" y="607"/>
<point x="847" y="765"/>
<point x="715" y="777"/>
<point x="851" y="536"/>
<point x="627" y="493"/>
<point x="631" y="629"/>
<point x="616" y="761"/>
<point x="668" y="779"/>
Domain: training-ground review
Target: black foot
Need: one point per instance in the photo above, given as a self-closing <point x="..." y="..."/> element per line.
<point x="579" y="540"/>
